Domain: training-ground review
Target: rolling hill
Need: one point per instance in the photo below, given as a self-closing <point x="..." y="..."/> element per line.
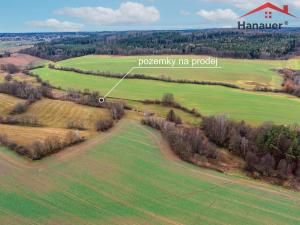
<point x="254" y="107"/>
<point x="244" y="73"/>
<point x="132" y="179"/>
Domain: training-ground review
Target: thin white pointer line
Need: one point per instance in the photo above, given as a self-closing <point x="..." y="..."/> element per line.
<point x="117" y="84"/>
<point x="138" y="67"/>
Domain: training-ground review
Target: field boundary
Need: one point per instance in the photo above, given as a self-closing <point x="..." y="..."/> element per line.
<point x="166" y="79"/>
<point x="145" y="77"/>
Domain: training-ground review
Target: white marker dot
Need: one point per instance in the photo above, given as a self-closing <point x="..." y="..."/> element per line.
<point x="101" y="100"/>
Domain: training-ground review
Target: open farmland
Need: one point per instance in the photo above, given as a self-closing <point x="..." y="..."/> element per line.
<point x="253" y="107"/>
<point x="162" y="111"/>
<point x="7" y="103"/>
<point x="21" y="60"/>
<point x="19" y="77"/>
<point x="127" y="180"/>
<point x="55" y="113"/>
<point x="244" y="73"/>
<point x="27" y="135"/>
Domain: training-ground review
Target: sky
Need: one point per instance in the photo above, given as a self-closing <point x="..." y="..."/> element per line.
<point x="117" y="15"/>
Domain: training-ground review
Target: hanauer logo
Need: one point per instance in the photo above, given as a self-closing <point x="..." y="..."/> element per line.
<point x="268" y="15"/>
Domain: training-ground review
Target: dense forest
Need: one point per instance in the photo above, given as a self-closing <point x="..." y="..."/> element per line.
<point x="220" y="42"/>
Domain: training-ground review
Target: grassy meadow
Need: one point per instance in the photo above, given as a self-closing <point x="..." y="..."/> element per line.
<point x="55" y="113"/>
<point x="127" y="180"/>
<point x="244" y="73"/>
<point x="162" y="111"/>
<point x="253" y="107"/>
<point x="7" y="103"/>
<point x="26" y="136"/>
<point x="54" y="117"/>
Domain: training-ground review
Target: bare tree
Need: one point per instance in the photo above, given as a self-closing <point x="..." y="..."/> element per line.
<point x="168" y="99"/>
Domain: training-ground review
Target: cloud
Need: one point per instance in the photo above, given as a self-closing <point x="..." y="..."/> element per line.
<point x="241" y="4"/>
<point x="56" y="25"/>
<point x="129" y="13"/>
<point x="184" y="13"/>
<point x="218" y="15"/>
<point x="295" y="3"/>
<point x="247" y="5"/>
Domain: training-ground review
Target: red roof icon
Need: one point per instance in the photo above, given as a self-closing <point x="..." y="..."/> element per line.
<point x="284" y="10"/>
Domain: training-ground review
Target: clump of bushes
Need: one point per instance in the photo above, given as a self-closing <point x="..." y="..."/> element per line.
<point x="117" y="110"/>
<point x="270" y="150"/>
<point x="40" y="149"/>
<point x="8" y="77"/>
<point x="104" y="124"/>
<point x="28" y="120"/>
<point x="22" y="89"/>
<point x="168" y="99"/>
<point x="291" y="81"/>
<point x="10" y="68"/>
<point x="20" y="108"/>
<point x="53" y="144"/>
<point x="84" y="98"/>
<point x="187" y="142"/>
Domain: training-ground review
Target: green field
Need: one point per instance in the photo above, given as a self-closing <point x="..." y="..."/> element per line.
<point x="209" y="100"/>
<point x="162" y="111"/>
<point x="245" y="73"/>
<point x="127" y="180"/>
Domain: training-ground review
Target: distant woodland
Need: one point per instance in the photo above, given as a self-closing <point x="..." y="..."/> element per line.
<point x="218" y="42"/>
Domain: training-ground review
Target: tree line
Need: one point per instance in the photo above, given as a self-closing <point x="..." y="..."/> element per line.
<point x="217" y="42"/>
<point x="269" y="150"/>
<point x="291" y="81"/>
<point x="187" y="142"/>
<point x="22" y="89"/>
<point x="168" y="100"/>
<point x="40" y="149"/>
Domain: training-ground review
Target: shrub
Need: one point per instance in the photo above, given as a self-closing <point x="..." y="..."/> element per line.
<point x="172" y="117"/>
<point x="8" y="77"/>
<point x="168" y="99"/>
<point x="104" y="125"/>
<point x="21" y="90"/>
<point x="186" y="142"/>
<point x="37" y="150"/>
<point x="3" y="139"/>
<point x="28" y="120"/>
<point x="217" y="129"/>
<point x="10" y="68"/>
<point x="19" y="108"/>
<point x="53" y="144"/>
<point x="117" y="110"/>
